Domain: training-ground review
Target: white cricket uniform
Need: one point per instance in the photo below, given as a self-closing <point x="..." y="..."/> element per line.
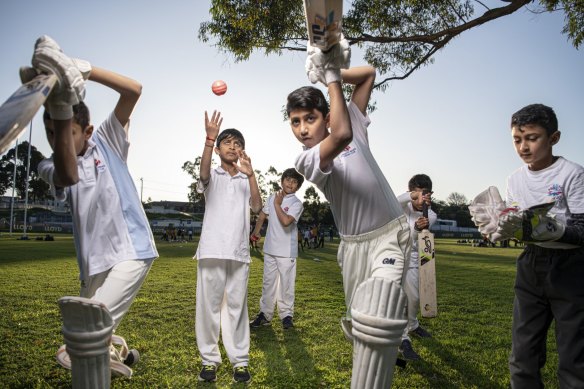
<point x="412" y="279"/>
<point x="223" y="269"/>
<point x="526" y="188"/>
<point x="280" y="252"/>
<point x="374" y="231"/>
<point x="113" y="240"/>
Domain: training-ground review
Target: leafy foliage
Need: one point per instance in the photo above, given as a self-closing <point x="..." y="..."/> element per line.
<point x="37" y="188"/>
<point x="398" y="36"/>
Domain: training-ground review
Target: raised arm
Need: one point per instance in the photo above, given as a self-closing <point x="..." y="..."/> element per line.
<point x="284" y="219"/>
<point x="341" y="132"/>
<point x="60" y="135"/>
<point x="129" y="90"/>
<point x="363" y="78"/>
<point x="212" y="130"/>
<point x="259" y="223"/>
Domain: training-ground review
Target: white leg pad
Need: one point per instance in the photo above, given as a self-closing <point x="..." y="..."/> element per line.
<point x="378" y="318"/>
<point x="87" y="329"/>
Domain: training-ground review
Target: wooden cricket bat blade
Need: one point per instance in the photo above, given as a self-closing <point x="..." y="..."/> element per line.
<point x="20" y="108"/>
<point x="323" y="21"/>
<point x="428" y="297"/>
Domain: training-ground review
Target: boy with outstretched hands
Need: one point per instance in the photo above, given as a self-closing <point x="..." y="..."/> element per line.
<point x="223" y="252"/>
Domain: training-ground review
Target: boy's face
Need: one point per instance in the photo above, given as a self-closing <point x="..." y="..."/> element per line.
<point x="289" y="185"/>
<point x="229" y="150"/>
<point x="534" y="146"/>
<point x="80" y="136"/>
<point x="309" y="126"/>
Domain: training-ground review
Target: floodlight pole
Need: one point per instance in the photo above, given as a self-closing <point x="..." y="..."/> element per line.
<point x="13" y="186"/>
<point x="24" y="236"/>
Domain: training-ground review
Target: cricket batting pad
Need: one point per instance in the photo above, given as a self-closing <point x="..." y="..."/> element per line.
<point x="379" y="319"/>
<point x="87" y="329"/>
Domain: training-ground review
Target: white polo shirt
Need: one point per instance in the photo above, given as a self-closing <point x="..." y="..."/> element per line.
<point x="109" y="222"/>
<point x="283" y="241"/>
<point x="225" y="232"/>
<point x="562" y="182"/>
<point x="360" y="196"/>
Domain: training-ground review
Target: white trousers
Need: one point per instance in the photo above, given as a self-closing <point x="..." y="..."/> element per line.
<point x="381" y="253"/>
<point x="117" y="287"/>
<point x="278" y="286"/>
<point x="412" y="288"/>
<point x="221" y="308"/>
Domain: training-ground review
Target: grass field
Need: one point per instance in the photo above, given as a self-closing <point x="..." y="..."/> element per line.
<point x="470" y="347"/>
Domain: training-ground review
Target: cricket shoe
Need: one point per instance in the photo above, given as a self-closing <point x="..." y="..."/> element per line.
<point x="407" y="351"/>
<point x="241" y="374"/>
<point x="208" y="373"/>
<point x="422" y="333"/>
<point x="259" y="321"/>
<point x="287" y="322"/>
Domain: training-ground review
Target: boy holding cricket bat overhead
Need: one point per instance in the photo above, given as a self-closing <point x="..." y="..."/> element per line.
<point x="374" y="231"/>
<point x="545" y="209"/>
<point x="412" y="201"/>
<point x="114" y="243"/>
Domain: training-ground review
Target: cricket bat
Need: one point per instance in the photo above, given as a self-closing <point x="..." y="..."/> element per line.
<point x="428" y="299"/>
<point x="323" y="21"/>
<point x="20" y="108"/>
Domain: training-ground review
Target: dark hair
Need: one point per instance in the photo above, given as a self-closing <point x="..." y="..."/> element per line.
<point x="80" y="115"/>
<point x="292" y="173"/>
<point x="536" y="114"/>
<point x="421" y="181"/>
<point x="231" y="133"/>
<point x="307" y="97"/>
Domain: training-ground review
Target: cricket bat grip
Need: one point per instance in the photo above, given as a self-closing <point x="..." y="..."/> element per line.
<point x="425" y="205"/>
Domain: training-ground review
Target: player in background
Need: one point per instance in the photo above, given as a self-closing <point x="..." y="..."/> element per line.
<point x="88" y="169"/>
<point x="223" y="251"/>
<point x="373" y="228"/>
<point x="419" y="192"/>
<point x="550" y="270"/>
<point x="284" y="209"/>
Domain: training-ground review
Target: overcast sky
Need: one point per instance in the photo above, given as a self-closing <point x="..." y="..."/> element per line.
<point x="449" y="120"/>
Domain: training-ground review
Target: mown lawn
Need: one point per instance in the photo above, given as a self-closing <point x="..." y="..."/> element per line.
<point x="470" y="347"/>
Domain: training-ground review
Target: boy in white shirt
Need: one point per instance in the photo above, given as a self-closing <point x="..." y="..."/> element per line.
<point x="419" y="192"/>
<point x="223" y="252"/>
<point x="280" y="250"/>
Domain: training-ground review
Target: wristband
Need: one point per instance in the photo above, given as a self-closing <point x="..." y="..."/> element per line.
<point x="211" y="139"/>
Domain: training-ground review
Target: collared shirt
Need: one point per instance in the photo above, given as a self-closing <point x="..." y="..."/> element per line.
<point x="225" y="232"/>
<point x="109" y="222"/>
<point x="360" y="196"/>
<point x="283" y="241"/>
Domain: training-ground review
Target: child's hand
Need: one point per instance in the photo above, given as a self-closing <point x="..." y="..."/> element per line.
<point x="244" y="163"/>
<point x="212" y="126"/>
<point x="279" y="198"/>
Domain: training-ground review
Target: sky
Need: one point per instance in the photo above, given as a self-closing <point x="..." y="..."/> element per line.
<point x="449" y="120"/>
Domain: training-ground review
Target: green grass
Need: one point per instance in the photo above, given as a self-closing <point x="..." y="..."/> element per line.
<point x="470" y="347"/>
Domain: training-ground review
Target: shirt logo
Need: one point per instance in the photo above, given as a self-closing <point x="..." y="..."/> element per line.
<point x="556" y="192"/>
<point x="388" y="261"/>
<point x="347" y="151"/>
<point x="286" y="209"/>
<point x="99" y="165"/>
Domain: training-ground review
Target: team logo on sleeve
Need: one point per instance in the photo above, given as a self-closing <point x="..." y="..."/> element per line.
<point x="286" y="209"/>
<point x="100" y="166"/>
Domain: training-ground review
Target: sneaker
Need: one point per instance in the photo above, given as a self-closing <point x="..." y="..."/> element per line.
<point x="287" y="322"/>
<point x="241" y="374"/>
<point x="422" y="333"/>
<point x="259" y="321"/>
<point x="407" y="351"/>
<point x="208" y="373"/>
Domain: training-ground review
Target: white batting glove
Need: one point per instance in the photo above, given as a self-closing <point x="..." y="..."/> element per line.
<point x="485" y="209"/>
<point x="531" y="225"/>
<point x="326" y="66"/>
<point x="48" y="57"/>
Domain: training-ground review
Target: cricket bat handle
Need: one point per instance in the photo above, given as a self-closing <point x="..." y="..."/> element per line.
<point x="425" y="205"/>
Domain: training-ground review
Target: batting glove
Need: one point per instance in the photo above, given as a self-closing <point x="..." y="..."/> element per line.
<point x="48" y="57"/>
<point x="531" y="225"/>
<point x="485" y="209"/>
<point x="326" y="66"/>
